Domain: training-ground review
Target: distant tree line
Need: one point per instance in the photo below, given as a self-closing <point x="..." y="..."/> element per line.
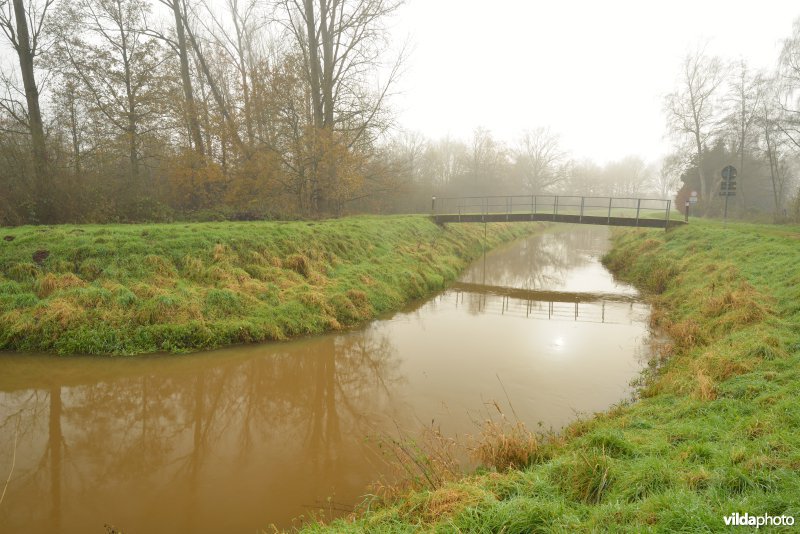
<point x="535" y="164"/>
<point x="139" y="110"/>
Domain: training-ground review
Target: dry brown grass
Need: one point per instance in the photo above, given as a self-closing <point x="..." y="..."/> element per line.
<point x="722" y="365"/>
<point x="426" y="462"/>
<point x="506" y="445"/>
<point x="447" y="501"/>
<point x="50" y="283"/>
<point x="685" y="334"/>
<point x="705" y="388"/>
<point x="698" y="479"/>
<point x="60" y="311"/>
<point x="741" y="306"/>
<point x="221" y="252"/>
<point x="161" y="266"/>
<point x="299" y="264"/>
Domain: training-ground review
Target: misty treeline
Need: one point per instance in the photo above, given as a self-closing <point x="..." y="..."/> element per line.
<point x="723" y="112"/>
<point x="536" y="163"/>
<point x="123" y="110"/>
<point x="156" y="110"/>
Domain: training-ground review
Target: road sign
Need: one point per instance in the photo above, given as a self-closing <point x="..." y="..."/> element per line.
<point x="728" y="186"/>
<point x="693" y="200"/>
<point x="694" y="193"/>
<point x="729" y="172"/>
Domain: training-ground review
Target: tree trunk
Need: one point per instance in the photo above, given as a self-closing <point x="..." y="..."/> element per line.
<point x="73" y="125"/>
<point x="327" y="25"/>
<point x="191" y="108"/>
<point x="25" y="55"/>
<point x="704" y="189"/>
<point x="248" y="116"/>
<point x="314" y="73"/>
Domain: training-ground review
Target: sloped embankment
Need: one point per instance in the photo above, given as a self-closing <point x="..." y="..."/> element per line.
<point x="127" y="289"/>
<point x="717" y="427"/>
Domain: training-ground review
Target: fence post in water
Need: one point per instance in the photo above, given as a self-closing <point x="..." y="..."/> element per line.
<point x="433" y="205"/>
<point x="610" y="200"/>
<point x="555" y="206"/>
<point x="580" y="219"/>
<point x="638" y="207"/>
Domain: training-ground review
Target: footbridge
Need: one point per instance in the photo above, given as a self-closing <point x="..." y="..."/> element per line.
<point x="610" y="211"/>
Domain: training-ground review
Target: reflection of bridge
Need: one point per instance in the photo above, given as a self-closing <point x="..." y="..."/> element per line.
<point x="611" y="211"/>
<point x="582" y="307"/>
<point x="534" y="294"/>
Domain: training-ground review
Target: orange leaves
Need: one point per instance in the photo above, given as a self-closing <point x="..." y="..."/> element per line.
<point x="194" y="182"/>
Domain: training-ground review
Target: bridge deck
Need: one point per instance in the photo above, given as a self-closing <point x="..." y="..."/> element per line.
<point x="576" y="219"/>
<point x="539" y="294"/>
<point x="608" y="211"/>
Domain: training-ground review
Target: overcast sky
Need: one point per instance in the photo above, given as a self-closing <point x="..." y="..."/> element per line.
<point x="594" y="71"/>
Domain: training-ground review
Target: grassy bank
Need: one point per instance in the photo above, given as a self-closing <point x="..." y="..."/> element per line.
<point x="127" y="289"/>
<point x="717" y="427"/>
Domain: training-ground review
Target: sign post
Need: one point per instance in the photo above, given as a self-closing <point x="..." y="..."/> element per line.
<point x="728" y="187"/>
<point x="691" y="202"/>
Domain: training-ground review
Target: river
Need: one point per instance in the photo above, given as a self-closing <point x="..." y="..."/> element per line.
<point x="237" y="439"/>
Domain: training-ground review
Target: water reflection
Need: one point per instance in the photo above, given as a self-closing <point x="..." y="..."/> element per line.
<point x="558" y="261"/>
<point x="235" y="439"/>
<point x="156" y="444"/>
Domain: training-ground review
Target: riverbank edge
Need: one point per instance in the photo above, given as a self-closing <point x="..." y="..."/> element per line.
<point x="148" y="288"/>
<point x="715" y="430"/>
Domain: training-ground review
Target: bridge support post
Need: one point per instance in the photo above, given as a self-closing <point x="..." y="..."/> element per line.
<point x="666" y="220"/>
<point x="580" y="218"/>
<point x="610" y="199"/>
<point x="638" y="207"/>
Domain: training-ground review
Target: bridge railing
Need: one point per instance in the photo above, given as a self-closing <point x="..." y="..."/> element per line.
<point x="609" y="207"/>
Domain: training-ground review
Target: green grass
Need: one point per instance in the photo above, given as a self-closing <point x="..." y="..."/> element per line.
<point x="128" y="289"/>
<point x="715" y="431"/>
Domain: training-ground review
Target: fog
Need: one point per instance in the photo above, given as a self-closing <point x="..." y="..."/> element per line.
<point x="252" y="109"/>
<point x="596" y="72"/>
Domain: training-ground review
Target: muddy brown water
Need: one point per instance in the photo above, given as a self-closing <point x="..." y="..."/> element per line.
<point x="237" y="439"/>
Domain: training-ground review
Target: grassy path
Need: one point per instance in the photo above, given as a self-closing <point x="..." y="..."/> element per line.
<point x="717" y="427"/>
<point x="128" y="289"/>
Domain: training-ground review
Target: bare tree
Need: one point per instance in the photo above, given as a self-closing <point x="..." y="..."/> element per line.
<point x="771" y="121"/>
<point x="744" y="98"/>
<point x="668" y="176"/>
<point x="692" y="109"/>
<point x="788" y="84"/>
<point x="341" y="42"/>
<point x="118" y="67"/>
<point x="213" y="83"/>
<point x="179" y="44"/>
<point x="23" y="29"/>
<point x="541" y="160"/>
<point x="487" y="156"/>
